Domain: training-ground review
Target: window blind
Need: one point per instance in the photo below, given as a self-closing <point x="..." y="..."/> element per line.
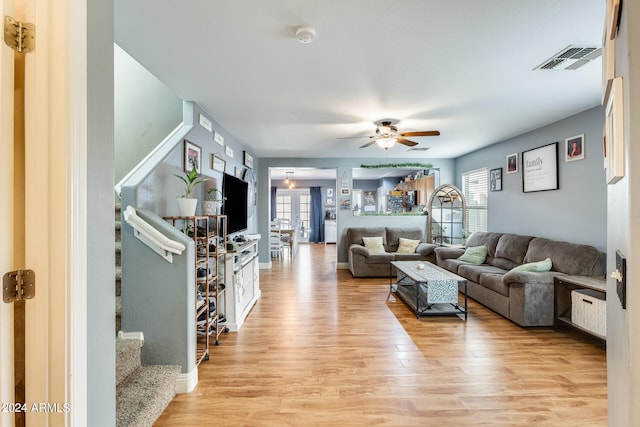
<point x="475" y="187"/>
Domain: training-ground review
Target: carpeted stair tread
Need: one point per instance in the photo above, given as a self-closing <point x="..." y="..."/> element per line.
<point x="127" y="357"/>
<point x="144" y="395"/>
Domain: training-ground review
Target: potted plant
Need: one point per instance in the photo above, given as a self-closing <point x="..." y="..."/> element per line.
<point x="187" y="204"/>
<point x="211" y="205"/>
<point x="465" y="236"/>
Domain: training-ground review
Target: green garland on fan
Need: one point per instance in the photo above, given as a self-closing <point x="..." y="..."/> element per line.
<point x="399" y="165"/>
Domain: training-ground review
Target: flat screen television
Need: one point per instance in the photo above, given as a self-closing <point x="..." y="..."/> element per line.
<point x="235" y="191"/>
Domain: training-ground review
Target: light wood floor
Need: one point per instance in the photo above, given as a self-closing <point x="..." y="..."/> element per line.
<point x="324" y="349"/>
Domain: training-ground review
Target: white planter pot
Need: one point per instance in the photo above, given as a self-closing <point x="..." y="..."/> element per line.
<point x="210" y="207"/>
<point x="187" y="207"/>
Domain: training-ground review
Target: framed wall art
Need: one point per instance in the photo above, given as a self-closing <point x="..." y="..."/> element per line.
<point x="540" y="168"/>
<point x="248" y="160"/>
<point x="192" y="157"/>
<point x="614" y="133"/>
<point x="512" y="163"/>
<point x="574" y="148"/>
<point x="218" y="163"/>
<point x="495" y="179"/>
<point x="613" y="18"/>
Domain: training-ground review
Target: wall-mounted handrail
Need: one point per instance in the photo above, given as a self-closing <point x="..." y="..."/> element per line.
<point x="153" y="238"/>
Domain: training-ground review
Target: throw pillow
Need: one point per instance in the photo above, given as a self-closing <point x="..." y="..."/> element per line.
<point x="544" y="265"/>
<point x="407" y="246"/>
<point x="374" y="244"/>
<point x="474" y="255"/>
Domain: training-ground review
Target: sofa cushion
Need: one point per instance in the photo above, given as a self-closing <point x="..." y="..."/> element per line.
<point x="383" y="258"/>
<point x="407" y="246"/>
<point x="393" y="235"/>
<point x="374" y="244"/>
<point x="473" y="272"/>
<point x="568" y="258"/>
<point x="451" y="264"/>
<point x="474" y="254"/>
<point x="535" y="266"/>
<point x="408" y="257"/>
<point x="355" y="234"/>
<point x="494" y="282"/>
<point x="490" y="240"/>
<point x="510" y="251"/>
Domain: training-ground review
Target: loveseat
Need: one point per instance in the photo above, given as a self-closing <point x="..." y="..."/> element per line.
<point x="525" y="297"/>
<point x="365" y="263"/>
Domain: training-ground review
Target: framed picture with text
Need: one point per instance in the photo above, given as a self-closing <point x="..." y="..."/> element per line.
<point x="540" y="168"/>
<point x="248" y="160"/>
<point x="218" y="163"/>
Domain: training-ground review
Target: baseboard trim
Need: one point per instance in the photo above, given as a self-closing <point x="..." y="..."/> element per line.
<point x="186" y="383"/>
<point x="342" y="266"/>
<point x="265" y="265"/>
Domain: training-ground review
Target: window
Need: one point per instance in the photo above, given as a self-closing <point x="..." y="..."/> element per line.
<point x="283" y="206"/>
<point x="475" y="186"/>
<point x="305" y="209"/>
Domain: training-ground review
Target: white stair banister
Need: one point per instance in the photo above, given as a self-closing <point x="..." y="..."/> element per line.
<point x="150" y="236"/>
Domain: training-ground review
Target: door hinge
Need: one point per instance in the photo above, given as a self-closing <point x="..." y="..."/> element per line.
<point x="19" y="36"/>
<point x="18" y="285"/>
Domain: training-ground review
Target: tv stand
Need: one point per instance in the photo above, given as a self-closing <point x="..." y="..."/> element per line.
<point x="242" y="280"/>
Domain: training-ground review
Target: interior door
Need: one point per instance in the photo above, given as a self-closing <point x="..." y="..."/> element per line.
<point x="30" y="198"/>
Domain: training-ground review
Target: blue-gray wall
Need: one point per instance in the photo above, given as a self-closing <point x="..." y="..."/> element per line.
<point x="577" y="212"/>
<point x="145" y="112"/>
<point x="158" y="192"/>
<point x="101" y="352"/>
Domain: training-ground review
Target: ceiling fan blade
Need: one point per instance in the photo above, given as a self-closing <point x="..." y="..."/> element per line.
<point x="423" y="133"/>
<point x="407" y="142"/>
<point x="368" y="144"/>
<point x="353" y="137"/>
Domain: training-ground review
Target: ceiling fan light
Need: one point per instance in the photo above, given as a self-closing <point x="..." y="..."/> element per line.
<point x="385" y="143"/>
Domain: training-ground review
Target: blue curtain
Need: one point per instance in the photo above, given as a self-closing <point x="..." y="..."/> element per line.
<point x="274" y="201"/>
<point x="316" y="233"/>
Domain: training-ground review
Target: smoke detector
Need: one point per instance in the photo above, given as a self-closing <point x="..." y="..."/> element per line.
<point x="305" y="34"/>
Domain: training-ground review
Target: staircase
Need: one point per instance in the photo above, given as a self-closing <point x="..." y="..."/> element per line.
<point x="142" y="392"/>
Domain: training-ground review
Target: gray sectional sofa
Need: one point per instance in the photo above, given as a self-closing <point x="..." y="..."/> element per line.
<point x="524" y="297"/>
<point x="363" y="263"/>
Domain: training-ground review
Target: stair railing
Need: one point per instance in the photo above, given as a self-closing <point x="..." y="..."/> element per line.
<point x="151" y="236"/>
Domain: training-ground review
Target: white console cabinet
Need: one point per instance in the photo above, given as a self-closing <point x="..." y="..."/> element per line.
<point x="330" y="231"/>
<point x="242" y="281"/>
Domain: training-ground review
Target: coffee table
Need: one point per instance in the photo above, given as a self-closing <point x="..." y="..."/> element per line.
<point x="427" y="289"/>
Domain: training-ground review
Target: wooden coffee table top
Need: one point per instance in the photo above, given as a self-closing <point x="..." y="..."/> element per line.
<point x="429" y="272"/>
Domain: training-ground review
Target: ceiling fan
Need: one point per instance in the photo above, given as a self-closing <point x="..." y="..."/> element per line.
<point x="387" y="135"/>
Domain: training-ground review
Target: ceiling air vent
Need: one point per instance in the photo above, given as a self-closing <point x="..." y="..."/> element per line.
<point x="418" y="149"/>
<point x="570" y="58"/>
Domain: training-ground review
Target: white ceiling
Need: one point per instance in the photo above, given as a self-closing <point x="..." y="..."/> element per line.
<point x="464" y="67"/>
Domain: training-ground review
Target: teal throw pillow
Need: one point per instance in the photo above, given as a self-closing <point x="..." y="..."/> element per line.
<point x="544" y="265"/>
<point x="474" y="254"/>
